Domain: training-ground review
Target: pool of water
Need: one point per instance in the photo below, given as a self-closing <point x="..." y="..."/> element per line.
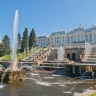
<point x="46" y="85"/>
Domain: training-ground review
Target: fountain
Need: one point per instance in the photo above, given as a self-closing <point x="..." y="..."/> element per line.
<point x="13" y="73"/>
<point x="88" y="49"/>
<point x="61" y="53"/>
<point x="13" y="66"/>
<point x="89" y="59"/>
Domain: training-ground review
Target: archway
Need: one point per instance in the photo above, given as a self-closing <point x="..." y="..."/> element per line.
<point x="73" y="56"/>
<point x="68" y="56"/>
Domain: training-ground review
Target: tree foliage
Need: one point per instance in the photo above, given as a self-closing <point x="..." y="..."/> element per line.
<point x="2" y="51"/>
<point x="6" y="44"/>
<point x="19" y="41"/>
<point x="32" y="39"/>
<point x="24" y="42"/>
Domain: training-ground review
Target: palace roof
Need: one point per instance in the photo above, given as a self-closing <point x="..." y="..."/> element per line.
<point x="58" y="32"/>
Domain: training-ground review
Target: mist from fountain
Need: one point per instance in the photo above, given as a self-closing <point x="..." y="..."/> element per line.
<point x="32" y="69"/>
<point x="61" y="53"/>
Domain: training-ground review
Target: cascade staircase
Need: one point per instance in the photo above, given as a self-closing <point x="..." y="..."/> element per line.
<point x="43" y="56"/>
<point x="90" y="54"/>
<point x="30" y="58"/>
<point x="38" y="57"/>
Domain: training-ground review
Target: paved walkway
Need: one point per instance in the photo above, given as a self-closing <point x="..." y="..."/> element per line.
<point x="86" y="93"/>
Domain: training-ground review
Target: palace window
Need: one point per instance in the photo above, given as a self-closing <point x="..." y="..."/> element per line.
<point x="94" y="36"/>
<point x="44" y="43"/>
<point x="41" y="43"/>
<point x="86" y="37"/>
<point x="71" y="39"/>
<point x="38" y="42"/>
<point x="82" y="37"/>
<point x="68" y="41"/>
<point x="59" y="41"/>
<point x="74" y="38"/>
<point x="90" y="37"/>
<point x="78" y="38"/>
<point x="55" y="40"/>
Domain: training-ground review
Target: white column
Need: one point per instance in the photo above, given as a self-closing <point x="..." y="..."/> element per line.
<point x="65" y="38"/>
<point x="54" y="41"/>
<point x="50" y="41"/>
<point x="45" y="42"/>
<point x="84" y="37"/>
<point x="61" y="40"/>
<point x="92" y="38"/>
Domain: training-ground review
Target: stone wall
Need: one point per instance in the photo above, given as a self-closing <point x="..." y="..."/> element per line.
<point x="71" y="51"/>
<point x="74" y="51"/>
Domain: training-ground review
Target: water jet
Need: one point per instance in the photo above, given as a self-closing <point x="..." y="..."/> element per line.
<point x="13" y="73"/>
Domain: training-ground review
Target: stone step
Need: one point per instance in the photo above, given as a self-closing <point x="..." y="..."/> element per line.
<point x="89" y="60"/>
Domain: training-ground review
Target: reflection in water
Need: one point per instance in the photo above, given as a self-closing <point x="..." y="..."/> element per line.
<point x="50" y="86"/>
<point x="1" y="86"/>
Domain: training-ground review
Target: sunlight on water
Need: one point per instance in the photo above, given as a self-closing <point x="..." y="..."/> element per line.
<point x="67" y="92"/>
<point x="1" y="86"/>
<point x="55" y="83"/>
<point x="55" y="75"/>
<point x="48" y="77"/>
<point x="43" y="83"/>
<point x="32" y="74"/>
<point x="75" y="93"/>
<point x="31" y="79"/>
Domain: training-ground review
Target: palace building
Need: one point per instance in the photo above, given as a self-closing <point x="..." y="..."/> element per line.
<point x="69" y="37"/>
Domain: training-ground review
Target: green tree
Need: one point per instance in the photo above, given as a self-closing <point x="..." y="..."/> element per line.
<point x="19" y="41"/>
<point x="6" y="44"/>
<point x="24" y="42"/>
<point x="32" y="39"/>
<point x="2" y="51"/>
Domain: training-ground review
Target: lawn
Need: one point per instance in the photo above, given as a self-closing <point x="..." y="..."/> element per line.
<point x="20" y="55"/>
<point x="7" y="57"/>
<point x="42" y="48"/>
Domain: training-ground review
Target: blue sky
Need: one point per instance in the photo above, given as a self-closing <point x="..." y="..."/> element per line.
<point x="46" y="16"/>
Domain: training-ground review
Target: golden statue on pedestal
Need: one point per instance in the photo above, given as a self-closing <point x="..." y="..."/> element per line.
<point x="89" y="69"/>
